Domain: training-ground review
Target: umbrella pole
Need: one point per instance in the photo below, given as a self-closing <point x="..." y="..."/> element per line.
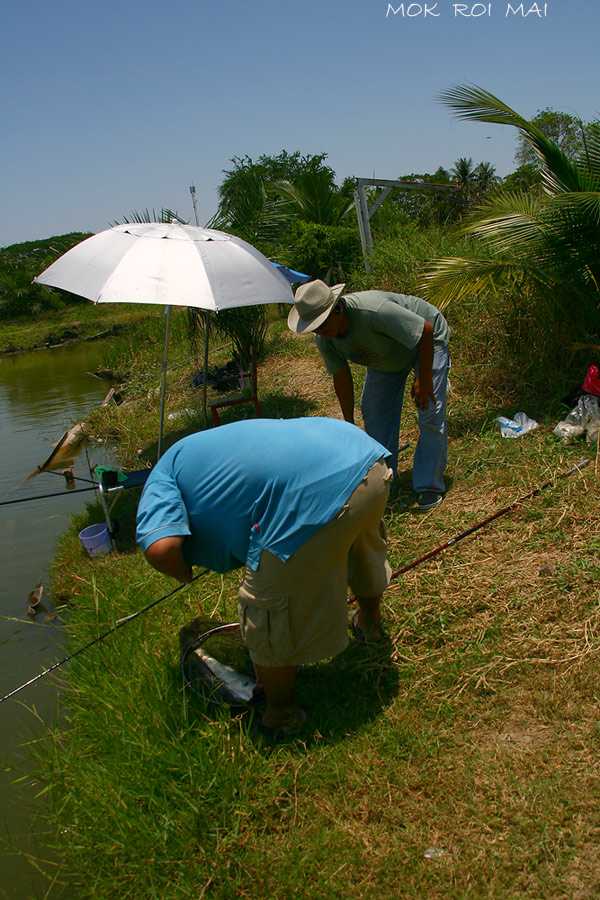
<point x="206" y="328"/>
<point x="204" y="400"/>
<point x="163" y="383"/>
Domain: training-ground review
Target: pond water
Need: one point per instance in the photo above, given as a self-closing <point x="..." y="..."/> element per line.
<point x="41" y="394"/>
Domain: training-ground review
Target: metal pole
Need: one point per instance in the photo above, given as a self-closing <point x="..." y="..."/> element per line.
<point x="361" y="231"/>
<point x="206" y="327"/>
<point x="204" y="386"/>
<point x="366" y="219"/>
<point x="163" y="383"/>
<point x="193" y="193"/>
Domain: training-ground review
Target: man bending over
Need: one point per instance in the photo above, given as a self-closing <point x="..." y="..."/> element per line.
<point x="299" y="504"/>
<point x="392" y="335"/>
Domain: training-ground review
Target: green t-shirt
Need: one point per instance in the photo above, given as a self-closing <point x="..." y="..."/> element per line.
<point x="385" y="329"/>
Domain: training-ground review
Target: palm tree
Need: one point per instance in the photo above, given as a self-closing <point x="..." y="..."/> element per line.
<point x="320" y="238"/>
<point x="547" y="242"/>
<point x="485" y="178"/>
<point x="165" y="216"/>
<point x="314" y="197"/>
<point x="463" y="173"/>
<point x="247" y="210"/>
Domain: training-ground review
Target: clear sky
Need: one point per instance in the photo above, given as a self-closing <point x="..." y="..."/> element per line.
<point x="121" y="105"/>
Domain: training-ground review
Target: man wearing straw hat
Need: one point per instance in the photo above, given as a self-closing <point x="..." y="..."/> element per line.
<point x="392" y="335"/>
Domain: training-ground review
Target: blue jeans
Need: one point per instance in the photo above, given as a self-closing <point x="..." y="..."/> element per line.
<point x="381" y="407"/>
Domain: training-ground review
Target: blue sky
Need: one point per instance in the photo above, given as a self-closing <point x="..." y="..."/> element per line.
<point x="118" y="106"/>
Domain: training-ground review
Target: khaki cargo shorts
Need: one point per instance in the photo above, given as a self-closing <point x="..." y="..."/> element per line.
<point x="296" y="612"/>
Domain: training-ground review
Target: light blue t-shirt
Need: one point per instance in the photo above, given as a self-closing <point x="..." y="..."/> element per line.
<point x="254" y="485"/>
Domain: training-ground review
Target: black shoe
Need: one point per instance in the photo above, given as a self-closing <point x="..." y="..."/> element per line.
<point x="429" y="500"/>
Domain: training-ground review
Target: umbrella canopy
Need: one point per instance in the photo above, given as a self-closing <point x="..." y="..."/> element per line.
<point x="168" y="264"/>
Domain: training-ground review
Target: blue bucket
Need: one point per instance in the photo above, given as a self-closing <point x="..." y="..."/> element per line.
<point x="95" y="539"/>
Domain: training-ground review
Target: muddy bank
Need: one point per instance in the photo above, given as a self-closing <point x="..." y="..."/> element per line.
<point x="60" y="337"/>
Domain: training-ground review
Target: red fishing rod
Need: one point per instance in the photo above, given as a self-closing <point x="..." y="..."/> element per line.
<point x="501" y="512"/>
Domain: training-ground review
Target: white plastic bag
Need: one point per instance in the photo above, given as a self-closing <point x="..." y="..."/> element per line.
<point x="583" y="418"/>
<point x="517" y="427"/>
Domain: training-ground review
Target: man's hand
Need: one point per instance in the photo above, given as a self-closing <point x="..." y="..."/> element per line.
<point x="421" y="392"/>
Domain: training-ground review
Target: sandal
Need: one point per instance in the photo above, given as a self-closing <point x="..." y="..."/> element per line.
<point x="272" y="732"/>
<point x="278" y="732"/>
<point x="363" y="634"/>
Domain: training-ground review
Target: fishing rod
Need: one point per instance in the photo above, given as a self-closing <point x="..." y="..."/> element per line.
<point x="43" y="496"/>
<point x="70" y="479"/>
<point x="101" y="637"/>
<point x="501" y="512"/>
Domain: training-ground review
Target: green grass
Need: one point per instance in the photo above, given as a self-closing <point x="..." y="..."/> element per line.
<point x="472" y="730"/>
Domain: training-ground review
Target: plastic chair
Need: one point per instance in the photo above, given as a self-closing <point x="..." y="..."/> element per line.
<point x="248" y="394"/>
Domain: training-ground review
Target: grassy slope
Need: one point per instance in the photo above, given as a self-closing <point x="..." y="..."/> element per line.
<point x="472" y="731"/>
<point x="81" y="322"/>
<point x="42" y="316"/>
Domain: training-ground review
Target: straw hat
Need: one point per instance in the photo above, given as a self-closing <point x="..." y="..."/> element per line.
<point x="312" y="304"/>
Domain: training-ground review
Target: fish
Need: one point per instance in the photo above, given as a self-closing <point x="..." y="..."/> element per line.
<point x="66" y="449"/>
<point x="238" y="684"/>
<point x="34" y="598"/>
<point x="36" y="594"/>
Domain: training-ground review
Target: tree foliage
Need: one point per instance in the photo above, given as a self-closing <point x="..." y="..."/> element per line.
<point x="290" y="207"/>
<point x="19" y="265"/>
<point x="543" y="245"/>
<point x="566" y="131"/>
<point x="250" y="203"/>
<point x="145" y="216"/>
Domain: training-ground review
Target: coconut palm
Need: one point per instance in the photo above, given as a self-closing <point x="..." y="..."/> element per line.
<point x="537" y="242"/>
<point x="247" y="210"/>
<point x="322" y="239"/>
<point x="485" y="178"/>
<point x="251" y="204"/>
<point x="463" y="173"/>
<point x="145" y="216"/>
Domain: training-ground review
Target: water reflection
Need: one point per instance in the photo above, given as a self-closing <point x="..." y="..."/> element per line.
<point x="41" y="395"/>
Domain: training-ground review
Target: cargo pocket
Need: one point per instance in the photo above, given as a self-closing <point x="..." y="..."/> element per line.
<point x="265" y="626"/>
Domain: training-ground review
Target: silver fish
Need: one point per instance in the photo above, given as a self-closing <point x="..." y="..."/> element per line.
<point x="240" y="685"/>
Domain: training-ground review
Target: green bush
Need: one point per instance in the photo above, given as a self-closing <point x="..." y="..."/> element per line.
<point x="19" y="265"/>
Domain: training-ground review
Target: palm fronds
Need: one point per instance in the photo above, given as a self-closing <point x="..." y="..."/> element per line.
<point x="314" y="198"/>
<point x="549" y="243"/>
<point x="475" y="104"/>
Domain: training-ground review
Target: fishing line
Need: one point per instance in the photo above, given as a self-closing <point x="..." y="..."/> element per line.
<point x="501" y="512"/>
<point x="95" y="487"/>
<point x="105" y="634"/>
<point x="61" y="474"/>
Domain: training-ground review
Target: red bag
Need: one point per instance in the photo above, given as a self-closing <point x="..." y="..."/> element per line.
<point x="591" y="382"/>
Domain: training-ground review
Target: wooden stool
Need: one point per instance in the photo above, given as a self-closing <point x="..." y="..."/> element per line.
<point x="249" y="395"/>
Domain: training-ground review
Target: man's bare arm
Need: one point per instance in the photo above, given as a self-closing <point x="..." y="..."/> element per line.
<point x="422" y="388"/>
<point x="344" y="389"/>
<point x="166" y="555"/>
